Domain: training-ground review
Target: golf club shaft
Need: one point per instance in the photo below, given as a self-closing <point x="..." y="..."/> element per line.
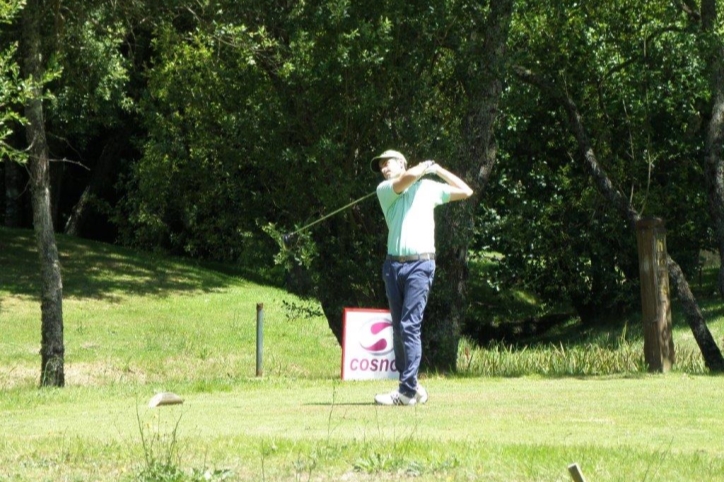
<point x="333" y="213"/>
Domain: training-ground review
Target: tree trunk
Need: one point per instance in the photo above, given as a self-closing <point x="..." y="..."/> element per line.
<point x="446" y="310"/>
<point x="714" y="167"/>
<point x="710" y="351"/>
<point x="52" y="349"/>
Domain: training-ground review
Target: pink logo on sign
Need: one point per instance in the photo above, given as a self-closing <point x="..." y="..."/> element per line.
<point x="375" y="336"/>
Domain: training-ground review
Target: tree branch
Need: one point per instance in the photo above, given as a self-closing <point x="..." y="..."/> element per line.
<point x="689" y="10"/>
<point x="653" y="35"/>
<point x="605" y="186"/>
<point x="77" y="163"/>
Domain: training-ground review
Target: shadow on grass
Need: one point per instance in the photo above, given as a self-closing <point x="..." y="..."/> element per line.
<point x="704" y="287"/>
<point x="96" y="270"/>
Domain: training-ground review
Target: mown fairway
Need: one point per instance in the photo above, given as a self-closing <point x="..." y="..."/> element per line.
<point x="136" y="325"/>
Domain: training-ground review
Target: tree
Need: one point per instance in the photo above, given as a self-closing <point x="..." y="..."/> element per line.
<point x="52" y="350"/>
<point x="479" y="71"/>
<point x="269" y="114"/>
<point x="712" y="48"/>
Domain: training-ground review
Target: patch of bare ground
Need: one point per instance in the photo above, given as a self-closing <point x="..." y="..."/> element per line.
<point x="76" y="374"/>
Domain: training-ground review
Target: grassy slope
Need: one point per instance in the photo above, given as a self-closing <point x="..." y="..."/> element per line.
<point x="135" y="325"/>
<point x="136" y="317"/>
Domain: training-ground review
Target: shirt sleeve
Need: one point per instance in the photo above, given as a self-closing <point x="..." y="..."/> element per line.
<point x="386" y="194"/>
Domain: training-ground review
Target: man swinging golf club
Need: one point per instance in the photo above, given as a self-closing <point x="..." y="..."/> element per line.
<point x="407" y="203"/>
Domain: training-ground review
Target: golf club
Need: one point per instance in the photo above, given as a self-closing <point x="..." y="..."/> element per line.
<point x="288" y="237"/>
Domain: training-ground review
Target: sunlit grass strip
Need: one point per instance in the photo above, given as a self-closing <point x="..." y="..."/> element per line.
<point x="501" y="360"/>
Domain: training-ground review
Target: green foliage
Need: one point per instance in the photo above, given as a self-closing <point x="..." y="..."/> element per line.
<point x="12" y="87"/>
<point x="262" y="119"/>
<point x="196" y="190"/>
<point x="252" y="120"/>
<point x="272" y="117"/>
<point x="303" y="310"/>
<point x="92" y="92"/>
<point x="11" y="94"/>
<point x="10" y="8"/>
<point x="629" y="68"/>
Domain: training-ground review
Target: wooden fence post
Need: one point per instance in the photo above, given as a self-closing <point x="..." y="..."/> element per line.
<point x="656" y="308"/>
<point x="576" y="473"/>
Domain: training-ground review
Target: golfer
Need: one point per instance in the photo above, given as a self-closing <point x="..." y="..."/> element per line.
<point x="408" y="202"/>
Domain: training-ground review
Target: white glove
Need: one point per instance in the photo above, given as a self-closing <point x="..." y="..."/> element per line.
<point x="430" y="167"/>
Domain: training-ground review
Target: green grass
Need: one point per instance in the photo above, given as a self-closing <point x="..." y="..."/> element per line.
<point x="137" y="324"/>
<point x="133" y="317"/>
<point x="489" y="429"/>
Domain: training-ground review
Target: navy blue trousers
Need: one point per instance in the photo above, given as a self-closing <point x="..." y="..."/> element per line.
<point x="407" y="286"/>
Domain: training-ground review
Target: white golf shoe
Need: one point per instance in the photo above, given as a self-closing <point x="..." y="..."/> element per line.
<point x="394" y="398"/>
<point x="421" y="394"/>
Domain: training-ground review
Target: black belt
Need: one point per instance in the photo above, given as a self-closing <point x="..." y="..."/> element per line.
<point x="412" y="257"/>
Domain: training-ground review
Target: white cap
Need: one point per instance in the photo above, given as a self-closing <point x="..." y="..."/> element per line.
<point x="388" y="154"/>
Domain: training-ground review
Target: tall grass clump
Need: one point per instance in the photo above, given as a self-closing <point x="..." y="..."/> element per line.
<point x="160" y="450"/>
<point x="594" y="358"/>
<point x="161" y="447"/>
<point x="501" y="360"/>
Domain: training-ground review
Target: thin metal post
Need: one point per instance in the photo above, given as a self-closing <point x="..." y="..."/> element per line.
<point x="259" y="339"/>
